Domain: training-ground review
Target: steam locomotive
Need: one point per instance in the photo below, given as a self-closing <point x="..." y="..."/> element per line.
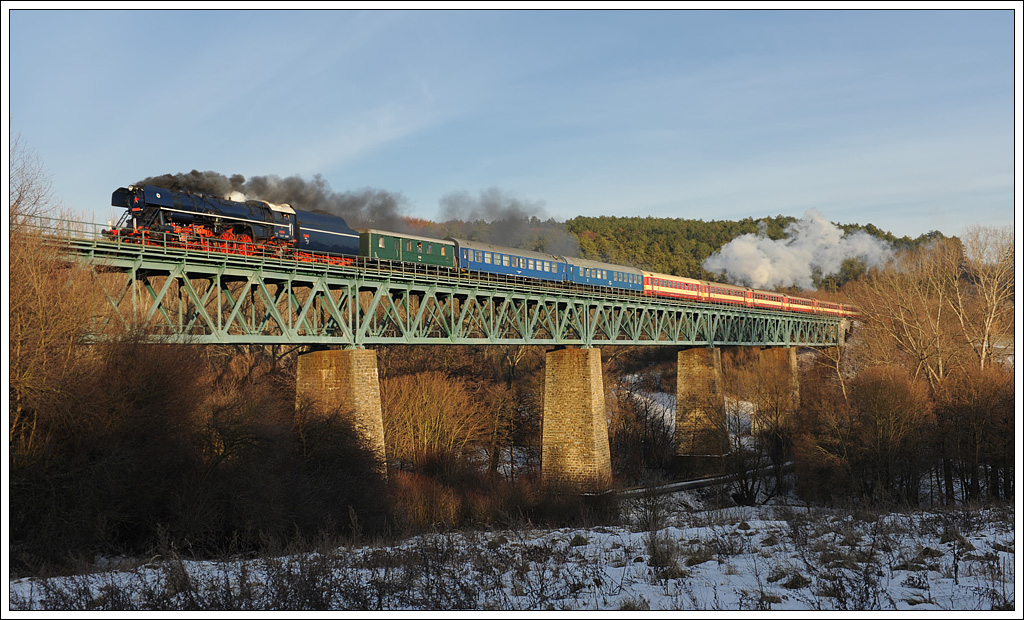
<point x="257" y="227"/>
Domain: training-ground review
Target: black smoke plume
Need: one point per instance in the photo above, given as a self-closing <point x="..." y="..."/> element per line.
<point x="365" y="208"/>
<point x="495" y="217"/>
<point x="492" y="217"/>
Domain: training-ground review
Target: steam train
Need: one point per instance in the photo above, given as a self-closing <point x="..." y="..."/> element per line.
<point x="257" y="227"/>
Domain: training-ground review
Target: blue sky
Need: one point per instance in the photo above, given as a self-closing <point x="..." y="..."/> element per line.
<point x="903" y="119"/>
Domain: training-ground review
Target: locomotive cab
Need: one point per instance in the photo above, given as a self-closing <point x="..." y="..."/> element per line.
<point x="137" y="216"/>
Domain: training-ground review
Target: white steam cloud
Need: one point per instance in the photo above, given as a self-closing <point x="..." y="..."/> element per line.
<point x="811" y="245"/>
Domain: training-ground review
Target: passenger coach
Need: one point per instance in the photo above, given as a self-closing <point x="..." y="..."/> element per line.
<point x="594" y="273"/>
<point x="664" y="285"/>
<point x="386" y="245"/>
<point x="475" y="256"/>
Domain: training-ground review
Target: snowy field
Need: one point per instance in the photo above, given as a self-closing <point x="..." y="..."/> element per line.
<point x="674" y="554"/>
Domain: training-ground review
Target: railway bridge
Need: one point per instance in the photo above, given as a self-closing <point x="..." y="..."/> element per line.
<point x="183" y="295"/>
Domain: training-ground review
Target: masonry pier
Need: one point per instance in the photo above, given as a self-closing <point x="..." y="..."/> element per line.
<point x="702" y="439"/>
<point x="574" y="451"/>
<point x="345" y="382"/>
<point x="785" y="360"/>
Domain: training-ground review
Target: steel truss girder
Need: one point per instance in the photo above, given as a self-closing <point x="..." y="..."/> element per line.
<point x="208" y="298"/>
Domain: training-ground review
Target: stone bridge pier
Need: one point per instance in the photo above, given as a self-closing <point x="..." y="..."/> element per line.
<point x="781" y="363"/>
<point x="575" y="455"/>
<point x="702" y="438"/>
<point x="345" y="382"/>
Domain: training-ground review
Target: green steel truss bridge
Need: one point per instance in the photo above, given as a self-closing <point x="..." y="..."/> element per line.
<point x="200" y="297"/>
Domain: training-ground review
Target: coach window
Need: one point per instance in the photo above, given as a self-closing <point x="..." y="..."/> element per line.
<point x="442" y="251"/>
<point x="419" y="247"/>
<point x="380" y="242"/>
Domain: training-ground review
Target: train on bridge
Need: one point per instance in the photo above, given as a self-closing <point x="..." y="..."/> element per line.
<point x="257" y="227"/>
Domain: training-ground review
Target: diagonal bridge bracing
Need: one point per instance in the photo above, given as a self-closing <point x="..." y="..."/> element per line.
<point x="211" y="298"/>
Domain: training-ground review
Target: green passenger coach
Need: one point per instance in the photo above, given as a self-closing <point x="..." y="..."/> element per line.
<point x="385" y="245"/>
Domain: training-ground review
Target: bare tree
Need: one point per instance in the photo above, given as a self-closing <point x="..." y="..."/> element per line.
<point x="767" y="385"/>
<point x="893" y="413"/>
<point x="51" y="303"/>
<point x="976" y="418"/>
<point x="906" y="312"/>
<point x="431" y="419"/>
<point x="29" y="191"/>
<point x="641" y="437"/>
<point x="983" y="289"/>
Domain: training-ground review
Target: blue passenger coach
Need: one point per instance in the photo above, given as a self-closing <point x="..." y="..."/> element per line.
<point x="580" y="271"/>
<point x="475" y="256"/>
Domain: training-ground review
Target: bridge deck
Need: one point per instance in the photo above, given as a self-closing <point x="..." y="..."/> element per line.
<point x="204" y="297"/>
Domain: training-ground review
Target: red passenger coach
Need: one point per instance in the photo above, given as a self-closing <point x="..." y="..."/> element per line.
<point x="727" y="294"/>
<point x="664" y="285"/>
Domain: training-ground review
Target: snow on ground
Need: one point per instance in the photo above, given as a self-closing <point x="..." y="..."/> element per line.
<point x="674" y="554"/>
